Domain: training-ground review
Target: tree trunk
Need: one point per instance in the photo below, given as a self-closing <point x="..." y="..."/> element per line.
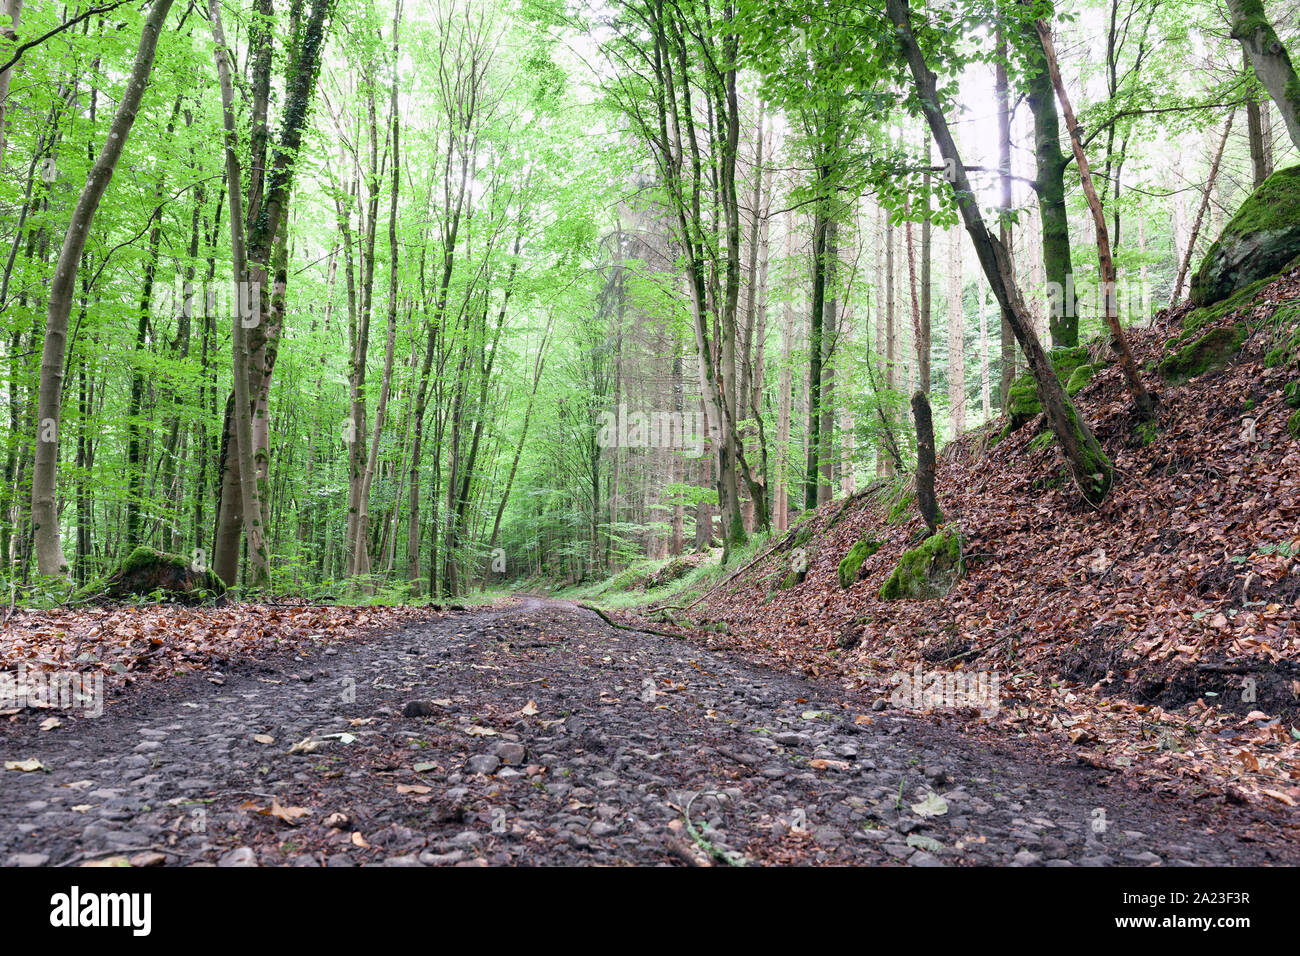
<point x="782" y="505"/>
<point x="1186" y="263"/>
<point x="45" y="515"/>
<point x="1142" y="400"/>
<point x="956" y="338"/>
<point x="1003" y="95"/>
<point x="925" y="461"/>
<point x="1250" y="26"/>
<point x="1049" y="184"/>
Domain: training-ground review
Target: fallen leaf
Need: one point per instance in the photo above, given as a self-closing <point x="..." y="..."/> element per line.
<point x="26" y="766"/>
<point x="932" y="806"/>
<point x="287" y="814"/>
<point x="929" y="844"/>
<point x="264" y="738"/>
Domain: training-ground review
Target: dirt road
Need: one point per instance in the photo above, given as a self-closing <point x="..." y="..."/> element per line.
<point x="538" y="734"/>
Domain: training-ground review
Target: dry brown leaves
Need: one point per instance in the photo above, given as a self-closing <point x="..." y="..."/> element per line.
<point x="1091" y="617"/>
<point x="131" y="644"/>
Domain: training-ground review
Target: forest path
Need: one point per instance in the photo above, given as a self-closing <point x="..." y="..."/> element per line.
<point x="771" y="767"/>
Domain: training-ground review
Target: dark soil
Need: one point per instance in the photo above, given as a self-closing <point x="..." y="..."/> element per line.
<point x="552" y="738"/>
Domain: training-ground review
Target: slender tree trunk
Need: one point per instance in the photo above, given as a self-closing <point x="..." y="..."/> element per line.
<point x="1142" y="400"/>
<point x="924" y="328"/>
<point x="956" y="337"/>
<point x="1003" y="96"/>
<point x="784" y="399"/>
<point x="1185" y="265"/>
<point x="829" y="337"/>
<point x="45" y="515"/>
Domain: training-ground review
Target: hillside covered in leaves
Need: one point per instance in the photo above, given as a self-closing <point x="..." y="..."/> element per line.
<point x="1160" y="631"/>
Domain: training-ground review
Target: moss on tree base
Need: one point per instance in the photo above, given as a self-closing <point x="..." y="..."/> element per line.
<point x="1022" y="400"/>
<point x="927" y="571"/>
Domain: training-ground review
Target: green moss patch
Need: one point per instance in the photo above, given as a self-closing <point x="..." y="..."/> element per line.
<point x="1043" y="439"/>
<point x="1286" y="320"/>
<point x="927" y="571"/>
<point x="1022" y="400"/>
<point x="898" y="510"/>
<point x="1208" y="353"/>
<point x="852" y="562"/>
<point x="1079" y="379"/>
<point x="1293" y="425"/>
<point x="791" y="579"/>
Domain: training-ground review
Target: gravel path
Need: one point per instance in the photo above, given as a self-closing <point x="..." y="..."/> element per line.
<point x="537" y="734"/>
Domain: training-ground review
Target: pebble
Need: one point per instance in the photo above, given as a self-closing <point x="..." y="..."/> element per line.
<point x="240" y="856"/>
<point x="485" y="764"/>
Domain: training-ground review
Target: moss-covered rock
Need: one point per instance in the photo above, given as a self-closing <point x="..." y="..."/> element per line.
<point x="927" y="571"/>
<point x="1258" y="241"/>
<point x="168" y="577"/>
<point x="1198" y="319"/>
<point x="672" y="571"/>
<point x="1209" y="352"/>
<point x="852" y="562"/>
<point x="1292" y="394"/>
<point x="1022" y="400"/>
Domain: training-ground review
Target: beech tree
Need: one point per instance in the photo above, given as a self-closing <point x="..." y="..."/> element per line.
<point x="49" y="406"/>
